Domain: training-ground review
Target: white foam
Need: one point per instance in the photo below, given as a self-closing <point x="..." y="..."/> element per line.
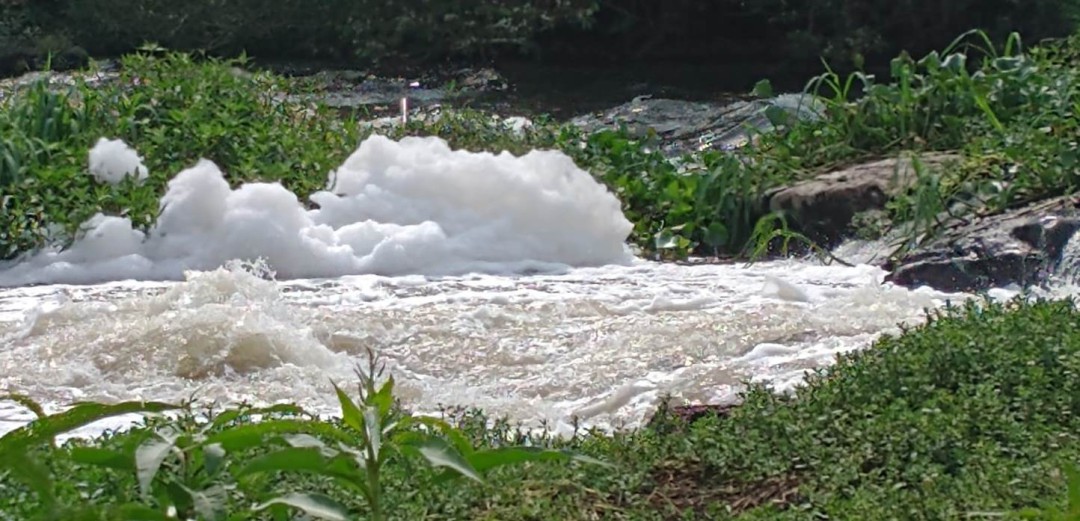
<point x="604" y="343"/>
<point x="393" y="208"/>
<point x="111" y="160"/>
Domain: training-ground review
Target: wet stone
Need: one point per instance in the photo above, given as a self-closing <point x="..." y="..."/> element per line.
<point x="687" y="126"/>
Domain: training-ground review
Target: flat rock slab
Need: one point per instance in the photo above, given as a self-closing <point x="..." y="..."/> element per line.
<point x="1024" y="247"/>
<point x="822" y="208"/>
<point x="686" y="126"/>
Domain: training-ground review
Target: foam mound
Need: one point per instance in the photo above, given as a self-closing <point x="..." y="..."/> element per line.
<point x="413" y="206"/>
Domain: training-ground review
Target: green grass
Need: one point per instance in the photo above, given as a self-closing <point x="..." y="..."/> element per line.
<point x="975" y="413"/>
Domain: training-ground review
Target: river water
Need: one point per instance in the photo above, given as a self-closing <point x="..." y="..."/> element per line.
<point x="490" y="281"/>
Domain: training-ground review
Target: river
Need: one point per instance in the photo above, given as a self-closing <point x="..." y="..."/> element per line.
<point x="485" y="280"/>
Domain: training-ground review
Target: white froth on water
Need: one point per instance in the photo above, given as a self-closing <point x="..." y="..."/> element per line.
<point x="393" y="208"/>
<point x="420" y="253"/>
<point x="603" y="343"/>
<point x="112" y="160"/>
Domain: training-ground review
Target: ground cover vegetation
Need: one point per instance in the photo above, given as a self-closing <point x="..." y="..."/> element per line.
<point x="971" y="415"/>
<point x="1008" y="108"/>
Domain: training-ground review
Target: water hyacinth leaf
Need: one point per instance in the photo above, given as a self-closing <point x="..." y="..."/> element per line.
<point x="763" y="89"/>
<point x="314" y="505"/>
<point x="716" y="234"/>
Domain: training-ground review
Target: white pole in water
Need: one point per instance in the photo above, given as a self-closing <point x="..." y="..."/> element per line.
<point x="404" y="110"/>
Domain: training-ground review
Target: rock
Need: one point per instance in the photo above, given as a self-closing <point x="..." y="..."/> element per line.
<point x="823" y="208"/>
<point x="14" y="62"/>
<point x="352" y="89"/>
<point x="690" y="413"/>
<point x="1023" y="246"/>
<point x="685" y="126"/>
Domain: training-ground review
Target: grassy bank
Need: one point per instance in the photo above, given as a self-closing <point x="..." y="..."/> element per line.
<point x="1009" y="109"/>
<point x="974" y="414"/>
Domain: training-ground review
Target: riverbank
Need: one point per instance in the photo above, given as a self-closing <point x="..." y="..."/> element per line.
<point x="971" y="132"/>
<point x="972" y="414"/>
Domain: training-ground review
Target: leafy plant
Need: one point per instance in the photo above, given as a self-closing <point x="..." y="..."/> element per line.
<point x="17" y="446"/>
<point x="374" y="431"/>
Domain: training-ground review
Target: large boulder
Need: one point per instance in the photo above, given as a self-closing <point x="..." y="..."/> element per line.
<point x="822" y="208"/>
<point x="1022" y="246"/>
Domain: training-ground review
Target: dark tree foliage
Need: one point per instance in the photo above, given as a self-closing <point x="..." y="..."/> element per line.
<point x="790" y="33"/>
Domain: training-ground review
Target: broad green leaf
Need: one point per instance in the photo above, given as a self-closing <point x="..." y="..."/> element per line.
<point x="254" y="435"/>
<point x="303" y="440"/>
<point x="209" y="503"/>
<point x="350" y="413"/>
<point x="483" y="460"/>
<point x="179" y="495"/>
<point x="384" y="399"/>
<point x="148" y="459"/>
<point x="45" y="429"/>
<point x="763" y="89"/>
<point x="103" y="458"/>
<point x="222" y="419"/>
<point x="777" y="116"/>
<point x="440" y="454"/>
<point x="454" y="435"/>
<point x="1073" y="476"/>
<point x="308" y="460"/>
<point x="314" y="505"/>
<point x="213" y="458"/>
<point x="716" y="234"/>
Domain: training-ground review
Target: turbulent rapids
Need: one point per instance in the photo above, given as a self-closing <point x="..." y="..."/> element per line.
<point x="486" y="280"/>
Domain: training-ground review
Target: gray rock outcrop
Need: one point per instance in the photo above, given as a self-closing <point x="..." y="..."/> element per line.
<point x="822" y="208"/>
<point x="1024" y="246"/>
